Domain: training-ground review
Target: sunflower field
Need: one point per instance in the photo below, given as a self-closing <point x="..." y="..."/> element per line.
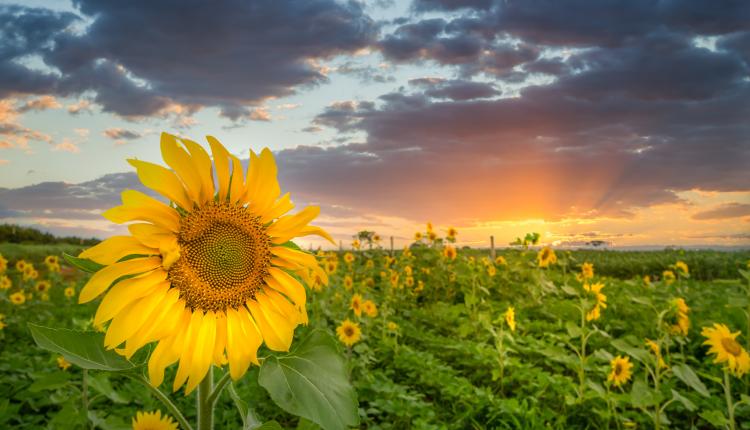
<point x="437" y="337"/>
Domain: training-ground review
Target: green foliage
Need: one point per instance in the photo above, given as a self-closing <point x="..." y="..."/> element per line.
<point x="84" y="349"/>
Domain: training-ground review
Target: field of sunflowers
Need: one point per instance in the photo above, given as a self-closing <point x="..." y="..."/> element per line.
<point x="435" y="336"/>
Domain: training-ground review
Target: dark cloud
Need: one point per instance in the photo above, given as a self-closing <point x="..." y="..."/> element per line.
<point x="140" y="57"/>
<point x="450" y="5"/>
<point x="455" y="89"/>
<point x="725" y="211"/>
<point x="122" y="134"/>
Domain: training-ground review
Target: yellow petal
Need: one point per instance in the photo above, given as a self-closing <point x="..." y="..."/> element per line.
<point x="251" y="178"/>
<point x="315" y="231"/>
<point x="186" y="354"/>
<point x="283" y="306"/>
<point x="253" y="338"/>
<point x="150" y="235"/>
<point x="163" y="181"/>
<point x="221" y="164"/>
<point x="133" y="317"/>
<point x="104" y="278"/>
<point x="237" y="182"/>
<point x="266" y="190"/>
<point x="282" y="206"/>
<point x="161" y="324"/>
<point x="221" y="339"/>
<point x="138" y="206"/>
<point x="126" y="292"/>
<point x="111" y="250"/>
<point x="202" y="163"/>
<point x="277" y="329"/>
<point x="203" y="351"/>
<point x="179" y="160"/>
<point x="289" y="226"/>
<point x="286" y="284"/>
<point x="237" y="354"/>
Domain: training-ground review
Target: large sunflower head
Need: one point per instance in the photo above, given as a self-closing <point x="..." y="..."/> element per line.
<point x="620" y="370"/>
<point x="724" y="345"/>
<point x="211" y="275"/>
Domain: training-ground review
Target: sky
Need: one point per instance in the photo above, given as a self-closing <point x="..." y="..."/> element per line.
<point x="619" y="121"/>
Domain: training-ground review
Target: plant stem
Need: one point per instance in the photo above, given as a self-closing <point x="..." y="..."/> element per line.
<point x="582" y="370"/>
<point x="214" y="396"/>
<point x="171" y="407"/>
<point x="730" y="403"/>
<point x="85" y="392"/>
<point x="204" y="408"/>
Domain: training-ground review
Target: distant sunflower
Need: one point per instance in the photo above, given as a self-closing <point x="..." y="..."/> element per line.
<point x="656" y="350"/>
<point x="409" y="281"/>
<point x="348" y="282"/>
<point x="3" y="264"/>
<point x="417" y="236"/>
<point x="452" y="233"/>
<point x="5" y="282"/>
<point x="449" y="252"/>
<point x="668" y="277"/>
<point x="21" y="265"/>
<point x="153" y="421"/>
<point x="62" y="363"/>
<point x="212" y="272"/>
<point x="546" y="256"/>
<point x="356" y="304"/>
<point x="587" y="271"/>
<point x="679" y="316"/>
<point x="349" y="332"/>
<point x="510" y="318"/>
<point x="18" y="298"/>
<point x="724" y="345"/>
<point x="682" y="268"/>
<point x="369" y="307"/>
<point x="69" y="292"/>
<point x="620" y="371"/>
<point x="500" y="261"/>
<point x="349" y="258"/>
<point x="600" y="300"/>
<point x="42" y="286"/>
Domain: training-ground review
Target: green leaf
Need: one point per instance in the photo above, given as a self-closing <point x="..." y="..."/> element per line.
<point x="715" y="417"/>
<point x="688" y="376"/>
<point x="311" y="382"/>
<point x="270" y="425"/>
<point x="304" y="424"/>
<point x="641" y="395"/>
<point x="292" y="245"/>
<point x="637" y="353"/>
<point x="50" y="382"/>
<point x="573" y="330"/>
<point x="85" y="349"/>
<point x="83" y="264"/>
<point x="690" y="406"/>
<point x="101" y="384"/>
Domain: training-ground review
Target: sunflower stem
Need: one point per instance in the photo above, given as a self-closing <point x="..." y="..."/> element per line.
<point x="214" y="396"/>
<point x="730" y="403"/>
<point x="171" y="407"/>
<point x="204" y="407"/>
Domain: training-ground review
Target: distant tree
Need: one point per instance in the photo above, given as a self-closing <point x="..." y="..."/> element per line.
<point x="18" y="234"/>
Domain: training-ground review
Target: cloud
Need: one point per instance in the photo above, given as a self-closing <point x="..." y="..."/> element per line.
<point x="121" y="135"/>
<point x="79" y="107"/>
<point x="139" y="60"/>
<point x="455" y="89"/>
<point x="12" y="133"/>
<point x="40" y="103"/>
<point x="67" y="145"/>
<point x="4" y="162"/>
<point x="725" y="211"/>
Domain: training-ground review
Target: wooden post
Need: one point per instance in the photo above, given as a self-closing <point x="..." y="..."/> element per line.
<point x="341" y="245"/>
<point x="492" y="248"/>
<point x="391" y="246"/>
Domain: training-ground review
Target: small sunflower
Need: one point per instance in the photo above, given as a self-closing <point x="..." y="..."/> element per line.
<point x="356" y="304"/>
<point x="394" y="279"/>
<point x="620" y="372"/>
<point x="500" y="261"/>
<point x="349" y="258"/>
<point x="21" y="265"/>
<point x="452" y="233"/>
<point x="682" y="268"/>
<point x="417" y="236"/>
<point x="153" y="421"/>
<point x="587" y="271"/>
<point x="432" y="236"/>
<point x="681" y="321"/>
<point x="62" y="363"/>
<point x="510" y="318"/>
<point x="449" y="252"/>
<point x="600" y="300"/>
<point x="356" y="244"/>
<point x="209" y="276"/>
<point x="42" y="286"/>
<point x="349" y="332"/>
<point x="5" y="283"/>
<point x="348" y="282"/>
<point x="668" y="277"/>
<point x="724" y="345"/>
<point x="491" y="271"/>
<point x="656" y="350"/>
<point x="546" y="256"/>
<point x="646" y="280"/>
<point x="409" y="281"/>
<point x="3" y="264"/>
<point x="69" y="292"/>
<point x="369" y="307"/>
<point x="18" y="298"/>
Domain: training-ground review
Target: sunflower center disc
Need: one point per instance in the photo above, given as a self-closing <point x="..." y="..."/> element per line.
<point x="224" y="257"/>
<point x="731" y="346"/>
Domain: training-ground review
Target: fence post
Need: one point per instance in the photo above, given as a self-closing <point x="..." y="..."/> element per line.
<point x="492" y="248"/>
<point x="341" y="246"/>
<point x="391" y="246"/>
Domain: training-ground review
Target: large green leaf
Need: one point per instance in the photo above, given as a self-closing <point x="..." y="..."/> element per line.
<point x="85" y="349"/>
<point x="311" y="382"/>
<point x="635" y="352"/>
<point x="84" y="264"/>
<point x="688" y="376"/>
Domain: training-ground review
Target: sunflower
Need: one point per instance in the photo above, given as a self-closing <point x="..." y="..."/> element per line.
<point x="408" y="270"/>
<point x="62" y="363"/>
<point x="449" y="252"/>
<point x="668" y="277"/>
<point x="42" y="286"/>
<point x="331" y="266"/>
<point x="356" y="304"/>
<point x="646" y="280"/>
<point x="682" y="268"/>
<point x="491" y="270"/>
<point x="432" y="236"/>
<point x="656" y="350"/>
<point x="69" y="292"/>
<point x="409" y="281"/>
<point x="348" y="282"/>
<point x="620" y="371"/>
<point x="546" y="256"/>
<point x="376" y="238"/>
<point x="356" y="244"/>
<point x="5" y="282"/>
<point x="153" y="421"/>
<point x="601" y="300"/>
<point x="587" y="271"/>
<point x="369" y="307"/>
<point x="452" y="233"/>
<point x="500" y="261"/>
<point x="417" y="236"/>
<point x="21" y="265"/>
<point x="349" y="332"/>
<point x="3" y="264"/>
<point x="370" y="264"/>
<point x="681" y="321"/>
<point x="392" y="326"/>
<point x="52" y="262"/>
<point x="349" y="258"/>
<point x="18" y="298"/>
<point x="210" y="275"/>
<point x="724" y="345"/>
<point x="510" y="318"/>
<point x="2" y="322"/>
<point x="420" y="286"/>
<point x="394" y="279"/>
